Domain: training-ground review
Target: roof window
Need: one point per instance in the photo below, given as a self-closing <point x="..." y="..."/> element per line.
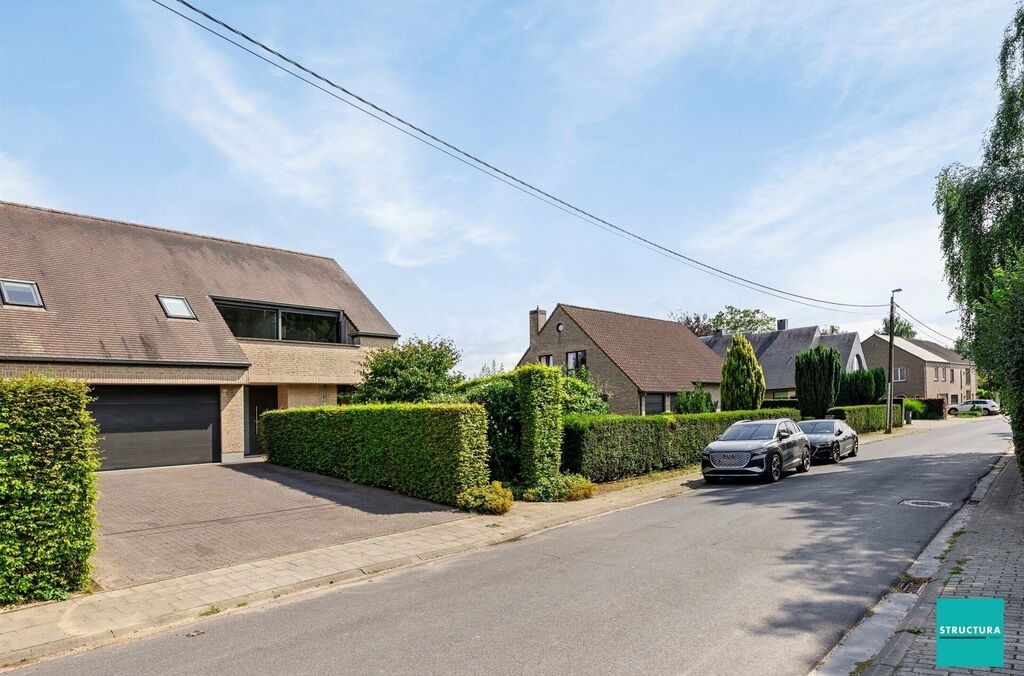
<point x="15" y="292"/>
<point x="176" y="307"/>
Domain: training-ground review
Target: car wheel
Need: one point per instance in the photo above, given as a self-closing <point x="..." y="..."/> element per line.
<point x="952" y="411"/>
<point x="773" y="468"/>
<point x="837" y="454"/>
<point x="856" y="448"/>
<point x="985" y="411"/>
<point x="712" y="479"/>
<point x="805" y="462"/>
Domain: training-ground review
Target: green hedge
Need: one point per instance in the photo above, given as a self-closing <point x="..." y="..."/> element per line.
<point x="524" y="422"/>
<point x="48" y="461"/>
<point x="429" y="451"/>
<point x="934" y="409"/>
<point x="781" y="403"/>
<point x="867" y="418"/>
<point x="605" y="448"/>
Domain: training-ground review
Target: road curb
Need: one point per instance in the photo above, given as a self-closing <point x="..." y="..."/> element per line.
<point x="868" y="648"/>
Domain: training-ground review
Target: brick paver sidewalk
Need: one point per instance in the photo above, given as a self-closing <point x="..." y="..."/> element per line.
<point x="991" y="556"/>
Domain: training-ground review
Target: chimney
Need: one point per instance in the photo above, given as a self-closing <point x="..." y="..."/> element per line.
<point x="783" y="324"/>
<point x="537" y="319"/>
<point x="718" y="333"/>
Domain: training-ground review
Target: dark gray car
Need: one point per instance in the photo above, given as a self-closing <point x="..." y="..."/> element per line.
<point x="830" y="439"/>
<point x="764" y="448"/>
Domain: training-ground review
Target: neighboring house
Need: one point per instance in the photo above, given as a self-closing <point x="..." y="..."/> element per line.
<point x="184" y="338"/>
<point x="776" y="352"/>
<point x="924" y="369"/>
<point x="640" y="362"/>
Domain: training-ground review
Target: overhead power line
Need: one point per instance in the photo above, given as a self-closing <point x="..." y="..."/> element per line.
<point x="391" y="119"/>
<point x="922" y="325"/>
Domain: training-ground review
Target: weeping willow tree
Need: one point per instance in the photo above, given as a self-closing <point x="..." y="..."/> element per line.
<point x="982" y="210"/>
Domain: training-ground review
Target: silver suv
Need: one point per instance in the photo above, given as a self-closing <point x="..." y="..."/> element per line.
<point x="987" y="406"/>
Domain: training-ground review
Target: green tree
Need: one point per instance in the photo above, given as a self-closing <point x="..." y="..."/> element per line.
<point x="740" y="320"/>
<point x="858" y="387"/>
<point x="982" y="212"/>
<point x="881" y="377"/>
<point x="831" y="330"/>
<point x="492" y="369"/>
<point x="962" y="346"/>
<point x="580" y="395"/>
<point x="742" y="377"/>
<point x="904" y="329"/>
<point x="413" y="371"/>
<point x="818" y="372"/>
<point x="697" y="401"/>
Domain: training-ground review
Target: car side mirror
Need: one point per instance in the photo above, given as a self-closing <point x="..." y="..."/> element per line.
<point x="783" y="434"/>
<point x="839" y="433"/>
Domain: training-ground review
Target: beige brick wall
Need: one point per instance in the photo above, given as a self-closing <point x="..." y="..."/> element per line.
<point x="293" y="396"/>
<point x="623" y="395"/>
<point x="373" y="341"/>
<point x="100" y="374"/>
<point x="278" y="361"/>
<point x="232" y="419"/>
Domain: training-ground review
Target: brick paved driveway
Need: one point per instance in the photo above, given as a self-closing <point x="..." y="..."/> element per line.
<point x="170" y="521"/>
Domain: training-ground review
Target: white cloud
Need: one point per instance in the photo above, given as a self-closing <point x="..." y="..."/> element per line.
<point x="19" y="183"/>
<point x="316" y="152"/>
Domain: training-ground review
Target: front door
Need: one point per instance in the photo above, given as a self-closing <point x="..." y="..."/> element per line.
<point x="261" y="398"/>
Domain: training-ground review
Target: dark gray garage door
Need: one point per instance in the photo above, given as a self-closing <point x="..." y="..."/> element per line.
<point x="148" y="426"/>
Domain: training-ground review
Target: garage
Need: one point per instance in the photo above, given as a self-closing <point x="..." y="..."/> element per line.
<point x="150" y="426"/>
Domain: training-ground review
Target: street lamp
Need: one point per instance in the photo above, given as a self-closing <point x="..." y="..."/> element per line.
<point x="892" y="346"/>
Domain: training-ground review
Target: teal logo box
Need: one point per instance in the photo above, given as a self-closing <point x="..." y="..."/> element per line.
<point x="969" y="632"/>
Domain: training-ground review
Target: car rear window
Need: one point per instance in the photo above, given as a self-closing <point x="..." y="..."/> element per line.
<point x="818" y="427"/>
<point x="744" y="432"/>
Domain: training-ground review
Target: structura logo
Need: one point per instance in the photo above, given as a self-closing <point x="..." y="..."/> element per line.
<point x="969" y="632"/>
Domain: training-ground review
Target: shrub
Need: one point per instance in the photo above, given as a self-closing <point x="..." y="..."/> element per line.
<point x="857" y="388"/>
<point x="47" y="488"/>
<point x="818" y="372"/>
<point x="490" y="499"/>
<point x="697" y="401"/>
<point x="915" y="406"/>
<point x="540" y="422"/>
<point x="934" y="409"/>
<point x="870" y="418"/>
<point x="605" y="448"/>
<point x="499" y="397"/>
<point x="429" y="451"/>
<point x="413" y="371"/>
<point x="881" y="383"/>
<point x="781" y="403"/>
<point x="560" y="488"/>
<point x="580" y="397"/>
<point x="742" y="377"/>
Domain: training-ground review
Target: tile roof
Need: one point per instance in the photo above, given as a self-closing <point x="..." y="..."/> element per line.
<point x="99" y="278"/>
<point x="775" y="350"/>
<point x="845" y="343"/>
<point x="658" y="355"/>
<point x="941" y="351"/>
<point x="924" y="349"/>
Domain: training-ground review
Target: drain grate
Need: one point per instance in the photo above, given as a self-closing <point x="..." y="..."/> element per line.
<point x="911" y="586"/>
<point x="924" y="503"/>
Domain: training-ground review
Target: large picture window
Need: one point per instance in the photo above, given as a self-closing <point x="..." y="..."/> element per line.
<point x="281" y="323"/>
<point x="309" y="327"/>
<point x="250" y="322"/>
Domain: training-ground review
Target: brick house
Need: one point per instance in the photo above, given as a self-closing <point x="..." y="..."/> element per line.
<point x="640" y="362"/>
<point x="924" y="369"/>
<point x="776" y="352"/>
<point x="184" y="338"/>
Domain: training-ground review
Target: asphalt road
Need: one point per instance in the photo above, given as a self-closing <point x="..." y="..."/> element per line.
<point x="728" y="579"/>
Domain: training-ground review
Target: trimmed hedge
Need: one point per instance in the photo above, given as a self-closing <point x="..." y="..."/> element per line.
<point x="781" y="403"/>
<point x="48" y="461"/>
<point x="868" y="418"/>
<point x="934" y="409"/>
<point x="429" y="451"/>
<point x="605" y="448"/>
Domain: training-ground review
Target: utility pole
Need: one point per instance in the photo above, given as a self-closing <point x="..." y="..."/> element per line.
<point x="892" y="347"/>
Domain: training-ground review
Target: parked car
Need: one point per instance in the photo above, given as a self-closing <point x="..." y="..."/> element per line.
<point x="764" y="448"/>
<point x="987" y="406"/>
<point x="830" y="439"/>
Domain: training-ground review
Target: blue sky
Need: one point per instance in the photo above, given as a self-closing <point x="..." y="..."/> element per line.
<point x="794" y="143"/>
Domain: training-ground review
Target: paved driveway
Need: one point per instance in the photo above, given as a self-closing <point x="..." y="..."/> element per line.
<point x="170" y="521"/>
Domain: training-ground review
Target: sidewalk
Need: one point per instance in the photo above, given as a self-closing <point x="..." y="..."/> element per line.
<point x="991" y="556"/>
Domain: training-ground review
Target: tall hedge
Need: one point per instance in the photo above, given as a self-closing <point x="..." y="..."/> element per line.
<point x="867" y="418"/>
<point x="881" y="377"/>
<point x="48" y="461"/>
<point x="429" y="451"/>
<point x="742" y="377"/>
<point x="857" y="388"/>
<point x="540" y="410"/>
<point x="605" y="448"/>
<point x="818" y="372"/>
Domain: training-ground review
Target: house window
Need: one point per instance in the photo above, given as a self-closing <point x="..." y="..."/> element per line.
<point x="546" y="359"/>
<point x="672" y="399"/>
<point x="967" y="377"/>
<point x="654" y="403"/>
<point x="176" y="307"/>
<point x="860" y="362"/>
<point x="943" y="374"/>
<point x="250" y="322"/>
<point x="936" y="374"/>
<point x="899" y="374"/>
<point x="312" y="328"/>
<point x="954" y="399"/>
<point x="14" y="292"/>
<point x="575" y="360"/>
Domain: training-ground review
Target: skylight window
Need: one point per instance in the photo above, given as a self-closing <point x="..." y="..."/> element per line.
<point x="176" y="307"/>
<point x="15" y="292"/>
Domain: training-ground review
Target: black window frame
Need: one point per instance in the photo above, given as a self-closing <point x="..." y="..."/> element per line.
<point x="340" y="335"/>
<point x="546" y="359"/>
<point x="576" y="366"/>
<point x="160" y="297"/>
<point x="35" y="288"/>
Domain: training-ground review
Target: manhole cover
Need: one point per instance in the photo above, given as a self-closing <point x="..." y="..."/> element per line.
<point x="924" y="503"/>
